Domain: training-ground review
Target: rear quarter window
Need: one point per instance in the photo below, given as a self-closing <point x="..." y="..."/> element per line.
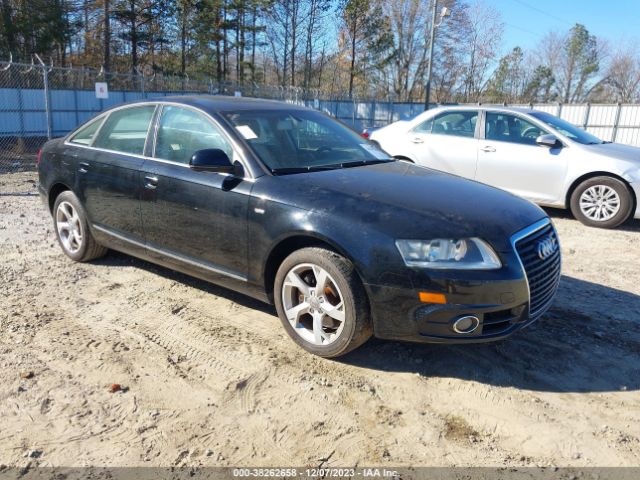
<point x="85" y="135"/>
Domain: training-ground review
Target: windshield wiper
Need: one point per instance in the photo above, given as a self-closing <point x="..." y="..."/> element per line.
<point x="332" y="166"/>
<point x="359" y="163"/>
<point x="311" y="168"/>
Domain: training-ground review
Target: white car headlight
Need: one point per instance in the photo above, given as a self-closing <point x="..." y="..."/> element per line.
<point x="463" y="254"/>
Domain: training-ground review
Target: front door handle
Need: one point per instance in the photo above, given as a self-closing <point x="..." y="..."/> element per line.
<point x="150" y="182"/>
<point x="417" y="140"/>
<point x="83" y="167"/>
<point x="488" y="149"/>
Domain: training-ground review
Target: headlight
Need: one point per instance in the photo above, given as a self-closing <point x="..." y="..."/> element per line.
<point x="464" y="254"/>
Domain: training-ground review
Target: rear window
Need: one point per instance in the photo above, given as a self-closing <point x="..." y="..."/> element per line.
<point x="456" y="124"/>
<point x="126" y="130"/>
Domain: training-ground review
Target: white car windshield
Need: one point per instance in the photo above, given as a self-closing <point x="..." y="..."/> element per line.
<point x="567" y="129"/>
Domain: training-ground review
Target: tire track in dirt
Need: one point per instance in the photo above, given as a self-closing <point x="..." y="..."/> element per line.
<point x="203" y="352"/>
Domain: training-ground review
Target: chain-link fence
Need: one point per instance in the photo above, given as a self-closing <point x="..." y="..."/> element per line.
<point x="38" y="102"/>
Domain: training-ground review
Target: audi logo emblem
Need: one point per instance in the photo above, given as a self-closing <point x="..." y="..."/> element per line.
<point x="547" y="247"/>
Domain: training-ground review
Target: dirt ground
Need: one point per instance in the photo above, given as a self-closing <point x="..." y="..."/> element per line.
<point x="209" y="377"/>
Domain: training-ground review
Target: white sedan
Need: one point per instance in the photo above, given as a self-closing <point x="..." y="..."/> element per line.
<point x="530" y="153"/>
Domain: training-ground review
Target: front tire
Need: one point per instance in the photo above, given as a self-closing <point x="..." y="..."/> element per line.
<point x="321" y="302"/>
<point x="603" y="202"/>
<point x="72" y="229"/>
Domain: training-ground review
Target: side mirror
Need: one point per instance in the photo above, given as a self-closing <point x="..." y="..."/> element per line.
<point x="549" y="140"/>
<point x="211" y="160"/>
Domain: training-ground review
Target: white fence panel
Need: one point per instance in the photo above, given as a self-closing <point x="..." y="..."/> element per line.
<point x="629" y="116"/>
<point x="602" y="115"/>
<point x="603" y="133"/>
<point x="628" y="135"/>
<point x="574" y="114"/>
<point x="552" y="109"/>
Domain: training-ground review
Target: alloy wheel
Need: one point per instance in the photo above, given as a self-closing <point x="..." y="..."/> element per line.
<point x="599" y="203"/>
<point x="69" y="227"/>
<point x="313" y="304"/>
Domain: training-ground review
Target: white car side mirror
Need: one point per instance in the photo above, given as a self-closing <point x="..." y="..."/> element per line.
<point x="549" y="140"/>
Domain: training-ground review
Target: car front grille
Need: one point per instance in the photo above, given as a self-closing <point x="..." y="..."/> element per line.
<point x="543" y="271"/>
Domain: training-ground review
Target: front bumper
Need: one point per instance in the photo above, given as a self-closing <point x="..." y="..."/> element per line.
<point x="498" y="298"/>
<point x="399" y="315"/>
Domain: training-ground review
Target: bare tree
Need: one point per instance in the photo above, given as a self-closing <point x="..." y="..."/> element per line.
<point x="410" y="27"/>
<point x="367" y="30"/>
<point x="106" y="42"/>
<point x="317" y="13"/>
<point x="279" y="35"/>
<point x="622" y="78"/>
<point x="484" y="29"/>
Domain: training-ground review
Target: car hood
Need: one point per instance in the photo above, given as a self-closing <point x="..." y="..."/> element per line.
<point x="617" y="151"/>
<point x="403" y="200"/>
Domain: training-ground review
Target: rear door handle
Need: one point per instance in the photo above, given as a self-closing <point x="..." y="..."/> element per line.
<point x="83" y="167"/>
<point x="417" y="140"/>
<point x="488" y="149"/>
<point x="150" y="182"/>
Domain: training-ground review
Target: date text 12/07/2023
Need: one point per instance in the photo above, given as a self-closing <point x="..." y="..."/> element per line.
<point x="315" y="472"/>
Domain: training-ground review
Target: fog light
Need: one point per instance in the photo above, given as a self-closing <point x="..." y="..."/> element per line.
<point x="466" y="324"/>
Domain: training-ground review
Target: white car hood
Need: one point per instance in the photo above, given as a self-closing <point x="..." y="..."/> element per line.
<point x="616" y="150"/>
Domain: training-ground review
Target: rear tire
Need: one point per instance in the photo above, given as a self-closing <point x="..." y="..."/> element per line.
<point x="603" y="202"/>
<point x="321" y="302"/>
<point x="72" y="229"/>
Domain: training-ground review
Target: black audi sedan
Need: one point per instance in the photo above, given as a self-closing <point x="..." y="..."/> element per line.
<point x="286" y="205"/>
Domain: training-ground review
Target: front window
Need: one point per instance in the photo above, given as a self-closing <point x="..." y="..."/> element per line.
<point x="567" y="129"/>
<point x="125" y="130"/>
<point x="183" y="131"/>
<point x="291" y="141"/>
<point x="511" y="128"/>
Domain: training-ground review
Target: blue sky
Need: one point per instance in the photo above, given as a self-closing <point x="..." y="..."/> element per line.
<point x="526" y="21"/>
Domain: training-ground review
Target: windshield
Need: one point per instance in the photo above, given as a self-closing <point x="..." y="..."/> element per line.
<point x="292" y="141"/>
<point x="567" y="129"/>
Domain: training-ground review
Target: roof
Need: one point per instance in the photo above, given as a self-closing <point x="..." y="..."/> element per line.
<point x="224" y="103"/>
<point x="501" y="108"/>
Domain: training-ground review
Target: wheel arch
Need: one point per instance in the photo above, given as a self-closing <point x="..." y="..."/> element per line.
<point x="587" y="176"/>
<point x="290" y="244"/>
<point x="55" y="190"/>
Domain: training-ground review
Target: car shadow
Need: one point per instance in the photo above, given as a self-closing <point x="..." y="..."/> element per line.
<point x="117" y="259"/>
<point x="566" y="350"/>
<point x="631" y="225"/>
<point x="589" y="341"/>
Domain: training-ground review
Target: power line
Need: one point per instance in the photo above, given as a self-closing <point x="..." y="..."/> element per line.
<point x="537" y="35"/>
<point x="544" y="12"/>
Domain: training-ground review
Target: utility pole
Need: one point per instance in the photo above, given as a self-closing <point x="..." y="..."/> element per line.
<point x="443" y="13"/>
<point x="429" y="66"/>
